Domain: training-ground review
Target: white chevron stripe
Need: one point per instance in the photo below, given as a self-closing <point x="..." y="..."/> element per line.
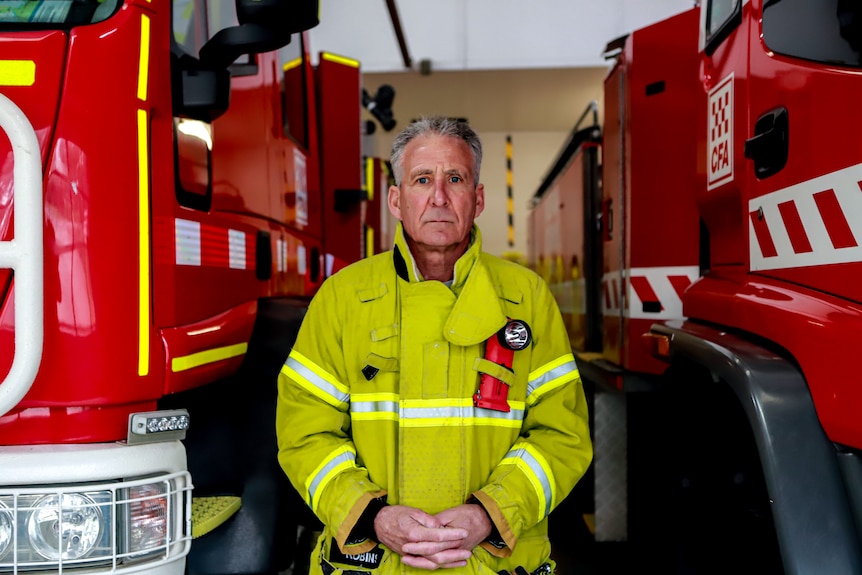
<point x="847" y="190"/>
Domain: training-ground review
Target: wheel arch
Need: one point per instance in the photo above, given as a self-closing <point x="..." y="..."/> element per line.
<point x="799" y="463"/>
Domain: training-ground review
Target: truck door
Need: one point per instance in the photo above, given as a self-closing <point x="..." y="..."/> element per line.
<point x="803" y="160"/>
<point x="724" y="71"/>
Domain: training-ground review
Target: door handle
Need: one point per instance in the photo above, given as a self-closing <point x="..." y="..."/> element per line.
<point x="769" y="145"/>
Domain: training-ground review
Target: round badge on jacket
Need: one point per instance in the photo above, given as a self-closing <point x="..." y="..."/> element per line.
<point x="515" y="335"/>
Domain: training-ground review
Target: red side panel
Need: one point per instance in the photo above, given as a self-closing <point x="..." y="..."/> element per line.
<point x="653" y="253"/>
<point x="560" y="233"/>
<point x="343" y="207"/>
<point x="568" y="278"/>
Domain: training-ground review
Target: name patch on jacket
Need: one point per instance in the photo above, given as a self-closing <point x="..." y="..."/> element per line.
<point x="369" y="559"/>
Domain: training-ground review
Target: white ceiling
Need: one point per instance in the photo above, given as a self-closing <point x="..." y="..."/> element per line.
<point x="454" y="35"/>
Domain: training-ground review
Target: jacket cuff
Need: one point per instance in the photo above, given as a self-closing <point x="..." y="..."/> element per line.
<point x="501" y="541"/>
<point x="353" y="535"/>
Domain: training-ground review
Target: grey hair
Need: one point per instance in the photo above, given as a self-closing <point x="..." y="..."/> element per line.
<point x="439" y="125"/>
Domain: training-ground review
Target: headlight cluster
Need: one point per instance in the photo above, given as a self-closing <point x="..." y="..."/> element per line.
<point x="101" y="524"/>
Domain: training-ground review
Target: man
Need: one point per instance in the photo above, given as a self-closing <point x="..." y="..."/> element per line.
<point x="413" y="432"/>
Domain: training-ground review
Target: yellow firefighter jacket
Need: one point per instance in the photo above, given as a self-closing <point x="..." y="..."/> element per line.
<point x="410" y="432"/>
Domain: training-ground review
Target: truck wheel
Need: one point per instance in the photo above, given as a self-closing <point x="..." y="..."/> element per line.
<point x="720" y="518"/>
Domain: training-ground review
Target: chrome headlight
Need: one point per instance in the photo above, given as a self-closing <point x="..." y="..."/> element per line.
<point x="66" y="526"/>
<point x="5" y="529"/>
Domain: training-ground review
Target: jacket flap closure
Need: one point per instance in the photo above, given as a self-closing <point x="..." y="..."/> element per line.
<point x="372" y="293"/>
<point x="384" y="332"/>
<point x="482" y="365"/>
<point x="510" y="294"/>
<point x="478" y="314"/>
<point x="382" y="363"/>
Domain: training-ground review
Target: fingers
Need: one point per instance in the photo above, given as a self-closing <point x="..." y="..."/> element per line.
<point x="427" y="548"/>
<point x="421" y="518"/>
<point x="443" y="560"/>
<point x="470" y="517"/>
<point x="438" y="535"/>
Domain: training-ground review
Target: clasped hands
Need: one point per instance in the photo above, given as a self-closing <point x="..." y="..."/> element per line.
<point x="432" y="541"/>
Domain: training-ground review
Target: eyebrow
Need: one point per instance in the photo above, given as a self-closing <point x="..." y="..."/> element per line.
<point x="428" y="171"/>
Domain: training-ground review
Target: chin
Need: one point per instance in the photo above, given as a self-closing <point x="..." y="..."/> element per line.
<point x="439" y="240"/>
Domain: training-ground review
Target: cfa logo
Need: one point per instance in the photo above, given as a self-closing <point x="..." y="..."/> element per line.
<point x="720" y="159"/>
<point x="720" y="135"/>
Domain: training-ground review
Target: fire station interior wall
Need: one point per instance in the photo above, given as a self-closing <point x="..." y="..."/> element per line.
<point x="537" y="108"/>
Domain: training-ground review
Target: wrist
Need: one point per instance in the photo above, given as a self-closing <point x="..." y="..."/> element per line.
<point x="493" y="537"/>
<point x="364" y="528"/>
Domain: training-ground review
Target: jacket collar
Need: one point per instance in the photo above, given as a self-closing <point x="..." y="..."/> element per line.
<point x="477" y="313"/>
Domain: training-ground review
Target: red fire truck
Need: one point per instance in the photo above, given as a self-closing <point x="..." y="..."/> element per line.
<point x="177" y="180"/>
<point x="704" y="245"/>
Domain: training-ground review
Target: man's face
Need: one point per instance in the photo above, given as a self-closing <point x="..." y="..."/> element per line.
<point x="437" y="200"/>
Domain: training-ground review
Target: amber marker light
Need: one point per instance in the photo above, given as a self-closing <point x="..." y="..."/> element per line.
<point x="658" y="345"/>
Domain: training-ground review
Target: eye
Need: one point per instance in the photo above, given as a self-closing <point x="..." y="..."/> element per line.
<point x="422" y="180"/>
<point x="456" y="179"/>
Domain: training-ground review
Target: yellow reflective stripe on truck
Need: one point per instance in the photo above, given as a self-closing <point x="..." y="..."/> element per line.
<point x="206" y="357"/>
<point x="143" y="204"/>
<point x="292" y="64"/>
<point x="17" y="72"/>
<point x="340" y="59"/>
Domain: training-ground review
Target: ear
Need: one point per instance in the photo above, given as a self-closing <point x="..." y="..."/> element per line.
<point x="394" y="201"/>
<point x="480" y="199"/>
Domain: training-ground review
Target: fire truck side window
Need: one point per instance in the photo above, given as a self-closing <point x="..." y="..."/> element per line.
<point x="722" y="18"/>
<point x="720" y="11"/>
<point x="222" y="15"/>
<point x="828" y="31"/>
<point x="189" y="22"/>
<point x="16" y="14"/>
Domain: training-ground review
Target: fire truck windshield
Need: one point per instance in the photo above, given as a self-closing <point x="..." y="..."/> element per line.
<point x="40" y="14"/>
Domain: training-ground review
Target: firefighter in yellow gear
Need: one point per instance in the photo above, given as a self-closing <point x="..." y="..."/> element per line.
<point x="377" y="422"/>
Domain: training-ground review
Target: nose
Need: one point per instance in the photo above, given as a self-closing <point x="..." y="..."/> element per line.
<point x="440" y="195"/>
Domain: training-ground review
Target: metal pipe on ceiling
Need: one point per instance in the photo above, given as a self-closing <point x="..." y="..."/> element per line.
<point x="399" y="33"/>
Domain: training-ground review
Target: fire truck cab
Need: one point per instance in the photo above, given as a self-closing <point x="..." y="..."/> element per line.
<point x="176" y="180"/>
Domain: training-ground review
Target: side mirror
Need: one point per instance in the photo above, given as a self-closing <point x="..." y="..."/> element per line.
<point x="264" y="25"/>
<point x="287" y="15"/>
<point x="199" y="92"/>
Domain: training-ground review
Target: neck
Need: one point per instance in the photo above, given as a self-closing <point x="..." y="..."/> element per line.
<point x="437" y="263"/>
